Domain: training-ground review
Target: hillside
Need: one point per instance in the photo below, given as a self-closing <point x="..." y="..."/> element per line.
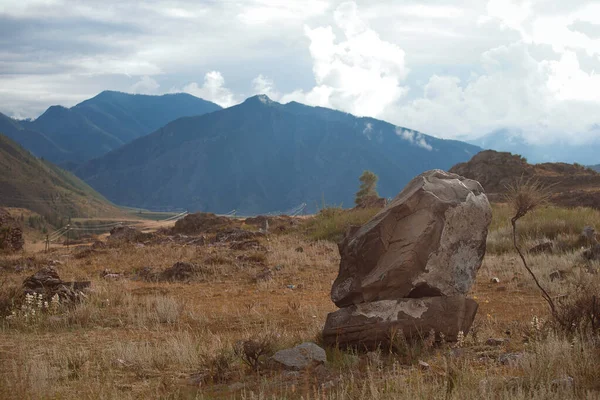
<point x="38" y="185"/>
<point x="565" y="150"/>
<point x="100" y="124"/>
<point x="262" y="156"/>
<point x="572" y="184"/>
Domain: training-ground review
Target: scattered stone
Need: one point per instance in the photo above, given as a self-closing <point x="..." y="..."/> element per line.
<point x="496" y="342"/>
<point x="147" y="274"/>
<point x="558" y="275"/>
<point x="98" y="245"/>
<point x="410" y="267"/>
<point x="593" y="253"/>
<point x="264" y="276"/>
<point x="495" y="280"/>
<point x="236" y="386"/>
<point x="542" y="248"/>
<point x="85" y="253"/>
<point x="236" y="235"/>
<point x="193" y="224"/>
<point x="180" y="271"/>
<point x="300" y="357"/>
<point x="589" y="234"/>
<point x="424" y="366"/>
<point x="566" y="382"/>
<point x="47" y="283"/>
<point x="127" y="234"/>
<point x="510" y="358"/>
<point x="248" y="245"/>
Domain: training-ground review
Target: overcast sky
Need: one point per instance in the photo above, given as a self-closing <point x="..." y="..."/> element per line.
<point x="447" y="68"/>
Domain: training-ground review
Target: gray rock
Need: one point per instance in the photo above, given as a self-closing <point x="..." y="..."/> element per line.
<point x="424" y="366"/>
<point x="510" y="358"/>
<point x="429" y="241"/>
<point x="496" y="342"/>
<point x="300" y="357"/>
<point x="566" y="382"/>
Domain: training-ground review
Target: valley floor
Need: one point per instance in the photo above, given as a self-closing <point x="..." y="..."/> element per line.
<point x="133" y="339"/>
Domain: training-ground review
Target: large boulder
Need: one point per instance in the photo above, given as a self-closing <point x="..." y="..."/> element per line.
<point x="428" y="242"/>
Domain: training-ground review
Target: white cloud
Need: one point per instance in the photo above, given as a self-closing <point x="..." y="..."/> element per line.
<point x="266" y="11"/>
<point x="264" y="85"/>
<point x="213" y="89"/>
<point x="361" y="74"/>
<point x="415" y="138"/>
<point x="145" y="85"/>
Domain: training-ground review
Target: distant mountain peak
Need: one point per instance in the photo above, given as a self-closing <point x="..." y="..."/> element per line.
<point x="261" y="99"/>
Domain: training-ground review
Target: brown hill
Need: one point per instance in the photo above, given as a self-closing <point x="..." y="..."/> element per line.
<point x="40" y="186"/>
<point x="572" y="184"/>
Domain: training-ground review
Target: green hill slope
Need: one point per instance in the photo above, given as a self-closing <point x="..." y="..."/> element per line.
<point x="38" y="185"/>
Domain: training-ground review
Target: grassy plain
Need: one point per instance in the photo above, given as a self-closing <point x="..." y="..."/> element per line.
<point x="133" y="339"/>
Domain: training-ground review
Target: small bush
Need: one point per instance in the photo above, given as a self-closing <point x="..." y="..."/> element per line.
<point x="253" y="352"/>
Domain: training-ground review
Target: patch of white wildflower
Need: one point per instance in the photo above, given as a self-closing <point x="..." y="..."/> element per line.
<point x="34" y="307"/>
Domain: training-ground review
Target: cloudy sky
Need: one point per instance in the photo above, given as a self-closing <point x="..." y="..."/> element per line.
<point x="448" y="68"/>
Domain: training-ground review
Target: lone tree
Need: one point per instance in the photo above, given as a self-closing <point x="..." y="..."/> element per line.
<point x="368" y="188"/>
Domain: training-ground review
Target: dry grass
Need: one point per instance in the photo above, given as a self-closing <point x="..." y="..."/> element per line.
<point x="332" y="223"/>
<point x="136" y="339"/>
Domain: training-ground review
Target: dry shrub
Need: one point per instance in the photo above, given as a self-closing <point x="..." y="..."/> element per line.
<point x="220" y="368"/>
<point x="580" y="310"/>
<point x="9" y="296"/>
<point x="253" y="352"/>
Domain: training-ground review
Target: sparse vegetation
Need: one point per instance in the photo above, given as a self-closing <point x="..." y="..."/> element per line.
<point x="368" y="187"/>
<point x="211" y="336"/>
<point x="332" y="223"/>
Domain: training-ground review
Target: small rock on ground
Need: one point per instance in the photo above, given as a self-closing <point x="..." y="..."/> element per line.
<point x="300" y="357"/>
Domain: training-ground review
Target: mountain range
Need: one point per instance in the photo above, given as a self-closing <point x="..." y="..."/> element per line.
<point x="70" y="136"/>
<point x="38" y="185"/>
<point x="262" y="156"/>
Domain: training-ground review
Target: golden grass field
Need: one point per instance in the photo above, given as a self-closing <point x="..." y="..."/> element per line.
<point x="133" y="339"/>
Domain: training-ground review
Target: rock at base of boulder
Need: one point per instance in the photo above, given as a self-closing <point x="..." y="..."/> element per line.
<point x="300" y="357"/>
<point x="369" y="325"/>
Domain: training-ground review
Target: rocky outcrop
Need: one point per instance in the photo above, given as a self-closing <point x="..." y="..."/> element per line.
<point x="198" y="223"/>
<point x="47" y="283"/>
<point x="410" y="267"/>
<point x="571" y="185"/>
<point x="127" y="234"/>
